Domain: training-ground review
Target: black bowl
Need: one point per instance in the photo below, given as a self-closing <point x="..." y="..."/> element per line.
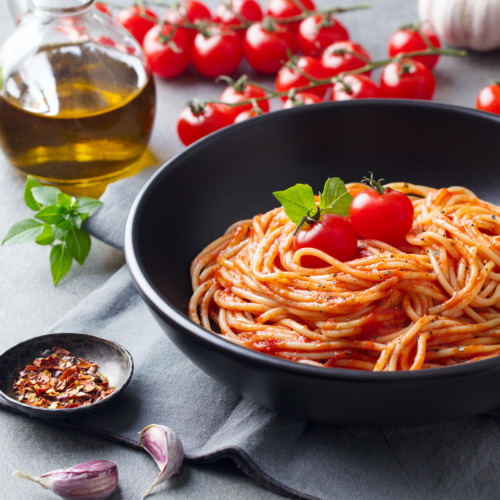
<point x="114" y="361"/>
<point x="231" y="175"/>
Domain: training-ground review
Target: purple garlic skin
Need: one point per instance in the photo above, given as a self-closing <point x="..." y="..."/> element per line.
<point x="91" y="480"/>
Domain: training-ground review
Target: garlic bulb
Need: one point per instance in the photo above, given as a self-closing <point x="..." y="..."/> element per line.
<point x="472" y="24"/>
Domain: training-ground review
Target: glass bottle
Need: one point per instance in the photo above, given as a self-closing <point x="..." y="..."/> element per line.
<point x="77" y="97"/>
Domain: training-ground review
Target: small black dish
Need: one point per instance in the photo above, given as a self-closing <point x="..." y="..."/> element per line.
<point x="113" y="360"/>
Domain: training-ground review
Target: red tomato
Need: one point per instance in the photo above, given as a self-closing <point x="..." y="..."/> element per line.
<point x="245" y="115"/>
<point x="169" y="56"/>
<point x="217" y="52"/>
<point x="344" y="56"/>
<point x="266" y="46"/>
<point x="333" y="235"/>
<point x="407" y="80"/>
<point x="137" y="21"/>
<point x="291" y="78"/>
<point x="284" y="9"/>
<point x="194" y="123"/>
<point x="237" y="93"/>
<point x="103" y="8"/>
<point x="301" y="99"/>
<point x="355" y="87"/>
<point x="488" y="98"/>
<point x="188" y="11"/>
<point x="409" y="39"/>
<point x="316" y="33"/>
<point x="232" y="12"/>
<point x="386" y="216"/>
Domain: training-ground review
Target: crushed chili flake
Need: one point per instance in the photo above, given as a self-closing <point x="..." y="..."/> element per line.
<point x="59" y="380"/>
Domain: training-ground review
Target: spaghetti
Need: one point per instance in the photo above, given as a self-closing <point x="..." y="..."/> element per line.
<point x="433" y="302"/>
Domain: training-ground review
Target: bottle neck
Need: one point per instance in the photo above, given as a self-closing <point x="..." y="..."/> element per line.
<point x="62" y="7"/>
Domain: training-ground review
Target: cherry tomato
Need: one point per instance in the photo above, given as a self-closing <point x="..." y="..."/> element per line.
<point x="301" y="99"/>
<point x="188" y="11"/>
<point x="168" y="50"/>
<point x="488" y="98"/>
<point x="217" y="52"/>
<point x="386" y="216"/>
<point x="344" y="56"/>
<point x="407" y="80"/>
<point x="284" y="9"/>
<point x="103" y="8"/>
<point x="355" y="87"/>
<point x="247" y="114"/>
<point x="292" y="76"/>
<point x="197" y="122"/>
<point x="333" y="235"/>
<point x="409" y="39"/>
<point x="243" y="92"/>
<point x="316" y="33"/>
<point x="232" y="12"/>
<point x="137" y="21"/>
<point x="266" y="46"/>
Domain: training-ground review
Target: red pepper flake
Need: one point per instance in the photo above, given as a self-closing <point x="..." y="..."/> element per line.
<point x="61" y="380"/>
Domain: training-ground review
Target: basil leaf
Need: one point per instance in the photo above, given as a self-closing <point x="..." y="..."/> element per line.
<point x="50" y="214"/>
<point x="59" y="234"/>
<point x="45" y="195"/>
<point x="64" y="200"/>
<point x="60" y="262"/>
<point x="297" y="201"/>
<point x="30" y="201"/>
<point x="88" y="205"/>
<point x="46" y="237"/>
<point x="335" y="198"/>
<point x="23" y="231"/>
<point x="78" y="243"/>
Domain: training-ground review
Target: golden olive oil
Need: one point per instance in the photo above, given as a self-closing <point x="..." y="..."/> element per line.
<point x="82" y="113"/>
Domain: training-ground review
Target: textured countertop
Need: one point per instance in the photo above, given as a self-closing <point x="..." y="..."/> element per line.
<point x="30" y="304"/>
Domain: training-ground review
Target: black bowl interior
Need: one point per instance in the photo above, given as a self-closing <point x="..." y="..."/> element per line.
<point x="113" y="360"/>
<point x="232" y="174"/>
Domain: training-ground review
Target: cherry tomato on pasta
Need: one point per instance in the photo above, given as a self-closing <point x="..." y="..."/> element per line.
<point x="232" y="13"/>
<point x="284" y="9"/>
<point x="239" y="92"/>
<point x="344" y="56"/>
<point x="293" y="75"/>
<point x="385" y="216"/>
<point x="407" y="79"/>
<point x="190" y="11"/>
<point x="195" y="122"/>
<point x="218" y="51"/>
<point x="301" y="99"/>
<point x="409" y="39"/>
<point x="168" y="50"/>
<point x="333" y="235"/>
<point x="137" y="21"/>
<point x="315" y="33"/>
<point x="355" y="87"/>
<point x="488" y="98"/>
<point x="266" y="46"/>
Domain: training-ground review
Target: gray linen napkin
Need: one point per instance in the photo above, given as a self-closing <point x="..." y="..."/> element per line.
<point x="300" y="459"/>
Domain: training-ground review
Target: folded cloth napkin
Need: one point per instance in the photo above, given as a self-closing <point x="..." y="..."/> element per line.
<point x="297" y="458"/>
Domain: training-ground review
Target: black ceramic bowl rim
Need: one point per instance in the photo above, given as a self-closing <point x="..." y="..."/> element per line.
<point x="178" y="319"/>
<point x="69" y="412"/>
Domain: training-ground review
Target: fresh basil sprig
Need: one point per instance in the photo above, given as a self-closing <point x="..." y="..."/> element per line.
<point x="300" y="205"/>
<point x="57" y="222"/>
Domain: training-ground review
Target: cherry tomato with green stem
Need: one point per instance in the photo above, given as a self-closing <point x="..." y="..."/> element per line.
<point x="301" y="99"/>
<point x="198" y="120"/>
<point x="410" y="39"/>
<point x="188" y="11"/>
<point x="267" y="45"/>
<point x="217" y="51"/>
<point x="137" y="20"/>
<point x="488" y="98"/>
<point x="286" y="9"/>
<point x="355" y="87"/>
<point x="344" y="56"/>
<point x="247" y="114"/>
<point x="315" y="33"/>
<point x="240" y="91"/>
<point x="408" y="79"/>
<point x="168" y="50"/>
<point x="233" y="12"/>
<point x="332" y="234"/>
<point x="294" y="75"/>
<point x="381" y="213"/>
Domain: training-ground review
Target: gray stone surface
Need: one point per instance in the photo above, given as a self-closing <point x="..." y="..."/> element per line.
<point x="30" y="304"/>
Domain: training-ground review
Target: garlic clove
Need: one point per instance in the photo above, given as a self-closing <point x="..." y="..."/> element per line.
<point x="91" y="480"/>
<point x="166" y="449"/>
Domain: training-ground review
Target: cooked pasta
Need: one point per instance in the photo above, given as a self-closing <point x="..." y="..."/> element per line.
<point x="432" y="302"/>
